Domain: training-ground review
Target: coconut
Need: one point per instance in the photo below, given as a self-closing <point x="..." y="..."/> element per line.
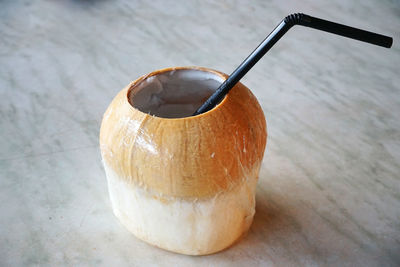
<point x="180" y="182"/>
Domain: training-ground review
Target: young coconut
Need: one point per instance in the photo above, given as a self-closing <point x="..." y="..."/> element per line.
<point x="183" y="183"/>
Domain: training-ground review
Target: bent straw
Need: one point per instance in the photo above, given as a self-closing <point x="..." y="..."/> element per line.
<point x="275" y="35"/>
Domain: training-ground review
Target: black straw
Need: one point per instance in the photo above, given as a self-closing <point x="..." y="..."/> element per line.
<point x="275" y="35"/>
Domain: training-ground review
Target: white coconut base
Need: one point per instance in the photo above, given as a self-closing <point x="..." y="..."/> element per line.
<point x="188" y="227"/>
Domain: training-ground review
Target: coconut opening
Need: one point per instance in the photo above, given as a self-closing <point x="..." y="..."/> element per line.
<point x="174" y="94"/>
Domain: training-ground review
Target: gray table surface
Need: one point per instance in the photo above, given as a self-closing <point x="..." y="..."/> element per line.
<point x="329" y="186"/>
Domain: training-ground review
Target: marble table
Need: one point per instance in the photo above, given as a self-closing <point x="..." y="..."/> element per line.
<point x="329" y="187"/>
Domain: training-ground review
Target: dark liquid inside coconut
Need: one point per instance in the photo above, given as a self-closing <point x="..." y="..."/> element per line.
<point x="174" y="94"/>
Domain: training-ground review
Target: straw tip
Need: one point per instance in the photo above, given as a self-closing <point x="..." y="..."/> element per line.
<point x="390" y="42"/>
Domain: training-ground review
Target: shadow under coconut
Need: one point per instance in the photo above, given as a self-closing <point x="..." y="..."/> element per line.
<point x="272" y="222"/>
<point x="287" y="231"/>
<point x="273" y="236"/>
<point x="271" y="226"/>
